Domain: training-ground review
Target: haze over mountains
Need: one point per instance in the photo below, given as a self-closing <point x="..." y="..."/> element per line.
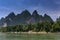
<point x="25" y="17"/>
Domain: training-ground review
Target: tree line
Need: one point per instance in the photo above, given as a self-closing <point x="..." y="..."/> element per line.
<point x="37" y="27"/>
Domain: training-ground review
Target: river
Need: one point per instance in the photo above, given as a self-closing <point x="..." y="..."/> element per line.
<point x="11" y="36"/>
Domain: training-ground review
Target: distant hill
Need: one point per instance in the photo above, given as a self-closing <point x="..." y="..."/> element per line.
<point x="24" y="17"/>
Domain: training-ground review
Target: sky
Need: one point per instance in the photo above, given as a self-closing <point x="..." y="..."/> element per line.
<point x="50" y="7"/>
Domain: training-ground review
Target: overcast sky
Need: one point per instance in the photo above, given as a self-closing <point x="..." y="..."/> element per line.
<point x="50" y="7"/>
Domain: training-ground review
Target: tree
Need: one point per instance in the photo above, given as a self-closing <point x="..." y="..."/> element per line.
<point x="47" y="26"/>
<point x="56" y="27"/>
<point x="3" y="29"/>
<point x="25" y="28"/>
<point x="39" y="26"/>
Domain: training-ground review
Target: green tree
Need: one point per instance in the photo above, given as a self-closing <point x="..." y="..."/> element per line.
<point x="48" y="26"/>
<point x="25" y="28"/>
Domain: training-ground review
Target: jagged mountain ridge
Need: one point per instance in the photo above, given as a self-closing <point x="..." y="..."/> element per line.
<point x="24" y="17"/>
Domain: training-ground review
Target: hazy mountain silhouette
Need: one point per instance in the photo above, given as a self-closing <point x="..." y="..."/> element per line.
<point x="24" y="17"/>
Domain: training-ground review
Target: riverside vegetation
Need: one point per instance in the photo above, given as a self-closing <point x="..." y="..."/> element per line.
<point x="38" y="27"/>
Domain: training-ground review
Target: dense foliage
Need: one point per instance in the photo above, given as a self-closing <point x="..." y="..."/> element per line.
<point x="37" y="27"/>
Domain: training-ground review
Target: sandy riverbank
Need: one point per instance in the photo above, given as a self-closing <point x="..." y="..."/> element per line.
<point x="29" y="32"/>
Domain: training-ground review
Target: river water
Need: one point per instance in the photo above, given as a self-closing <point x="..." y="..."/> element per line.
<point x="10" y="36"/>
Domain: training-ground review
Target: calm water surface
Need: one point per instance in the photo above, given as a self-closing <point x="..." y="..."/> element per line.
<point x="6" y="36"/>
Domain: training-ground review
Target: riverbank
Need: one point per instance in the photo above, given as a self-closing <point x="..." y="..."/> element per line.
<point x="28" y="32"/>
<point x="32" y="32"/>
